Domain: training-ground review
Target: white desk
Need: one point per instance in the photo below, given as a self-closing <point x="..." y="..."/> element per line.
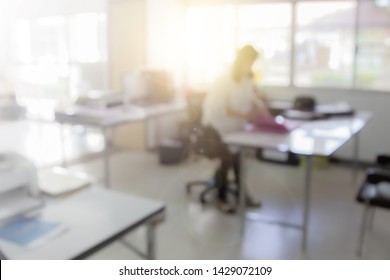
<point x="95" y="217"/>
<point x="314" y="138"/>
<point x="107" y="119"/>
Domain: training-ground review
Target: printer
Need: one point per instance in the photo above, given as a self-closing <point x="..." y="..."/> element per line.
<point x="19" y="192"/>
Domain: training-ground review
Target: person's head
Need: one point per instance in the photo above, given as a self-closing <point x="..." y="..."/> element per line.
<point x="242" y="66"/>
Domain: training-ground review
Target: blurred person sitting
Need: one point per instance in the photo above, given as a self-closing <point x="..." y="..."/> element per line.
<point x="232" y="101"/>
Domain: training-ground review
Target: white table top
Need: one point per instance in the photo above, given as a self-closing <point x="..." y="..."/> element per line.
<point x="116" y="115"/>
<point x="320" y="137"/>
<point x="92" y="216"/>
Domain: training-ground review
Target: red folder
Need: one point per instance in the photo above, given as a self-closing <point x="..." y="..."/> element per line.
<point x="268" y="124"/>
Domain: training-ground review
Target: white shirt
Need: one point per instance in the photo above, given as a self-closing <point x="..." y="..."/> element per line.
<point x="224" y="94"/>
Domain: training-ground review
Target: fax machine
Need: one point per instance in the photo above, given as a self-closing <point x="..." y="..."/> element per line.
<point x="19" y="193"/>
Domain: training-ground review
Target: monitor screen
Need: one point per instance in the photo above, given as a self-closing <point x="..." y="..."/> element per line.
<point x="149" y="87"/>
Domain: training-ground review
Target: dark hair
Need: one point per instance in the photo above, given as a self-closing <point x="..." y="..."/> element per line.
<point x="245" y="54"/>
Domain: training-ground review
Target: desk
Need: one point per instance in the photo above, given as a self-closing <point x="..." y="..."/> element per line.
<point x="314" y="138"/>
<point x="109" y="118"/>
<point x="95" y="217"/>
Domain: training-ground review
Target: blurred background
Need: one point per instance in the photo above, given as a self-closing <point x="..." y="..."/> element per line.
<point x="54" y="53"/>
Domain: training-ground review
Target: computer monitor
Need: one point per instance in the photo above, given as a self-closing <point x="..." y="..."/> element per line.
<point x="148" y="87"/>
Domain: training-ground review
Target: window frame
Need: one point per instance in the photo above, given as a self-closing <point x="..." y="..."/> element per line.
<point x="293" y="31"/>
<point x="69" y="62"/>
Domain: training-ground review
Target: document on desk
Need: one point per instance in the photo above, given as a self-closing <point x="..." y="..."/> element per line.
<point x="88" y="115"/>
<point x="58" y="181"/>
<point x="271" y="125"/>
<point x="30" y="232"/>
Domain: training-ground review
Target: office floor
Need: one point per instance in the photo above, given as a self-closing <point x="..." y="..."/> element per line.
<point x="193" y="232"/>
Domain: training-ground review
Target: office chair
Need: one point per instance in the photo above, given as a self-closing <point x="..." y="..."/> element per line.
<point x="375" y="192"/>
<point x="201" y="145"/>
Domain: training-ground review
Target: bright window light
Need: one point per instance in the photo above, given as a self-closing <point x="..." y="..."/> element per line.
<point x="373" y="48"/>
<point x="216" y="32"/>
<point x="210" y="43"/>
<point x="324" y="41"/>
<point x="84" y="38"/>
<point x="267" y="28"/>
<point x="22" y="41"/>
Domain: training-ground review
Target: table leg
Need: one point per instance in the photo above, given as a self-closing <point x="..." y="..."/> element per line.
<point x="151" y="248"/>
<point x="355" y="158"/>
<point x="106" y="155"/>
<point x="372" y="215"/>
<point x="158" y="132"/>
<point x="2" y="256"/>
<point x="306" y="206"/>
<point x="363" y="228"/>
<point x="62" y="140"/>
<point x="243" y="187"/>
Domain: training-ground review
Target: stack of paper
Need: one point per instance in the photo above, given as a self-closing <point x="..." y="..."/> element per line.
<point x="84" y="114"/>
<point x="59" y="181"/>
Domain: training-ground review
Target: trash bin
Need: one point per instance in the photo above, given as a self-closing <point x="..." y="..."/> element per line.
<point x="172" y="151"/>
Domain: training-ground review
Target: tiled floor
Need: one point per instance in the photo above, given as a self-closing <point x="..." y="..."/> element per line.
<point x="192" y="232"/>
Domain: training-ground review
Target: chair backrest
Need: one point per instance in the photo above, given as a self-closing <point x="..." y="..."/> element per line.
<point x="383" y="160"/>
<point x="204" y="141"/>
<point x="148" y="87"/>
<point x="190" y="127"/>
<point x="195" y="106"/>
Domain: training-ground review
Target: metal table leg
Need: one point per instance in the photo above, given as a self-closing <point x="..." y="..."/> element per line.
<point x="150" y="242"/>
<point x="62" y="140"/>
<point x="2" y="256"/>
<point x="151" y="238"/>
<point x="242" y="188"/>
<point x="259" y="218"/>
<point x="363" y="228"/>
<point x="306" y="206"/>
<point x="158" y="132"/>
<point x="106" y="155"/>
<point x="355" y="158"/>
<point x="372" y="214"/>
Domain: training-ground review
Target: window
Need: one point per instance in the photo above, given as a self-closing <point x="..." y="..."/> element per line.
<point x="324" y="43"/>
<point x="49" y="40"/>
<point x="215" y="33"/>
<point x="267" y="27"/>
<point x="336" y="43"/>
<point x="87" y="53"/>
<point x="210" y="42"/>
<point x="373" y="47"/>
<point x="59" y="56"/>
<point x="22" y="41"/>
<point x="40" y="57"/>
<point x="87" y="38"/>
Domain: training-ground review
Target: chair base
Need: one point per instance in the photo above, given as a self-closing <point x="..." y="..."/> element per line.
<point x="209" y="187"/>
